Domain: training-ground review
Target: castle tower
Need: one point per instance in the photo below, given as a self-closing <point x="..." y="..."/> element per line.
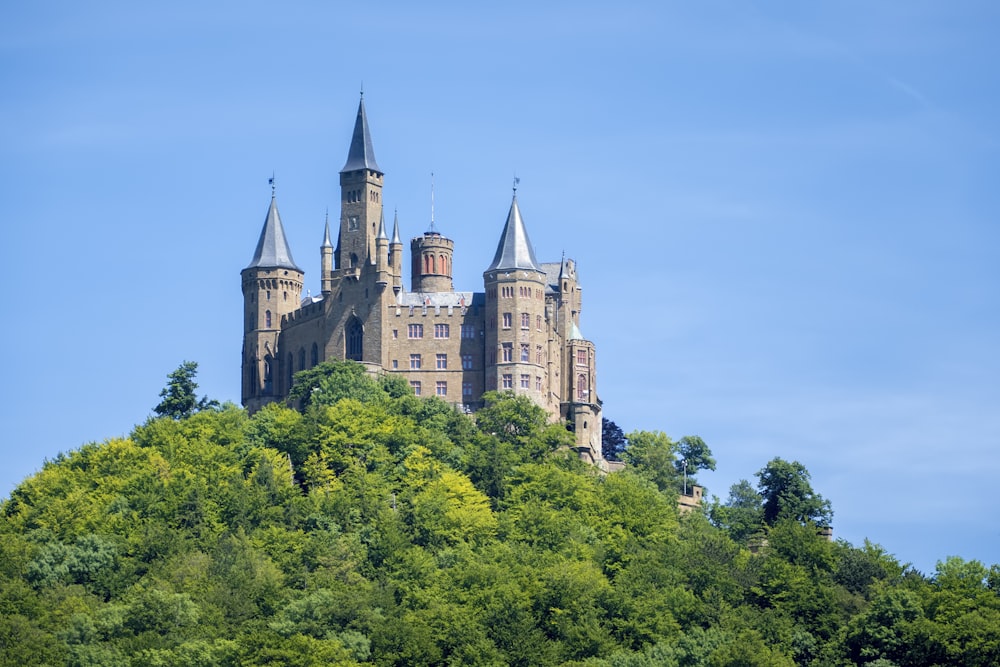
<point x="396" y="256"/>
<point x="326" y="260"/>
<point x="430" y="262"/>
<point x="516" y="338"/>
<point x="583" y="409"/>
<point x="272" y="288"/>
<point x="361" y="199"/>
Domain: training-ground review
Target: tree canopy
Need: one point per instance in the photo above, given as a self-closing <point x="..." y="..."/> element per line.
<point x="179" y="396"/>
<point x="372" y="527"/>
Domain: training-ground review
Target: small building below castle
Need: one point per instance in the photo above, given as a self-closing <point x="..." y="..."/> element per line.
<point x="520" y="333"/>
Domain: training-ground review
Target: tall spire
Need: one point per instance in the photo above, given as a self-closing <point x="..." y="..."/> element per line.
<point x="326" y="232"/>
<point x="514" y="250"/>
<point x="272" y="248"/>
<point x="381" y="228"/>
<point x="395" y="227"/>
<point x="361" y="155"/>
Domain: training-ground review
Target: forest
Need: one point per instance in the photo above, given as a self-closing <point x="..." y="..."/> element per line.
<point x="361" y="525"/>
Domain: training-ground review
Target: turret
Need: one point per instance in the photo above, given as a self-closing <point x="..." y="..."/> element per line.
<point x="361" y="198"/>
<point x="396" y="255"/>
<point x="382" y="254"/>
<point x="272" y="287"/>
<point x="430" y="262"/>
<point x="326" y="260"/>
<point x="516" y="337"/>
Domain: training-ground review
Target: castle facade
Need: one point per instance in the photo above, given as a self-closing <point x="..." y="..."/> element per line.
<point x="520" y="334"/>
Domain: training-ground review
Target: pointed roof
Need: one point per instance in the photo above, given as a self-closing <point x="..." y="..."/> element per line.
<point x="514" y="250"/>
<point x="326" y="234"/>
<point x="381" y="228"/>
<point x="574" y="332"/>
<point x="272" y="249"/>
<point x="361" y="155"/>
<point x="395" y="228"/>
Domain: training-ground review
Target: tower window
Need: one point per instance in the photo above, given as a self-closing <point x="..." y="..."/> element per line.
<point x="441" y="330"/>
<point x="466" y="389"/>
<point x="508" y="352"/>
<point x="414" y="362"/>
<point x="538" y="322"/>
<point x="395" y="364"/>
<point x="538" y="354"/>
<point x="525" y="321"/>
<point x="508" y="381"/>
<point x="268" y="295"/>
<point x="302" y="358"/>
<point x="468" y="331"/>
<point x="525" y="355"/>
<point x="525" y="381"/>
<point x="507" y="320"/>
<point x="581" y="357"/>
<point x="538" y="383"/>
<point x="415" y="331"/>
<point x="581" y="387"/>
<point x="314" y="355"/>
<point x="441" y="361"/>
<point x="355" y="340"/>
<point x="267" y="319"/>
<point x="467" y="362"/>
<point x="441" y="388"/>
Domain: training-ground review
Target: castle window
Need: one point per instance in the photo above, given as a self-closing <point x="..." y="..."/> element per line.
<point x="441" y="361"/>
<point x="441" y="330"/>
<point x="354" y="335"/>
<point x="395" y="364"/>
<point x="525" y="355"/>
<point x="395" y="334"/>
<point x="302" y="358"/>
<point x="288" y="371"/>
<point x="415" y="385"/>
<point x="468" y="331"/>
<point x="314" y="355"/>
<point x="415" y="331"/>
<point x="466" y="389"/>
<point x="538" y="322"/>
<point x="441" y="388"/>
<point x="507" y="320"/>
<point x="525" y="381"/>
<point x="538" y="383"/>
<point x="267" y="319"/>
<point x="284" y="296"/>
<point x="508" y="352"/>
<point x="525" y="321"/>
<point x="268" y="295"/>
<point x="467" y="362"/>
<point x="581" y="357"/>
<point x="414" y="362"/>
<point x="581" y="387"/>
<point x="508" y="381"/>
<point x="268" y="375"/>
<point x="538" y="354"/>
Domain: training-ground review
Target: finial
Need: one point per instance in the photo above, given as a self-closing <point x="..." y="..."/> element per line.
<point x="432" y="230"/>
<point x="270" y="182"/>
<point x="516" y="181"/>
<point x="362" y="90"/>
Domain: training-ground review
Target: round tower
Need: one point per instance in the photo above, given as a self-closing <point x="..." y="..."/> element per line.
<point x="272" y="288"/>
<point x="430" y="262"/>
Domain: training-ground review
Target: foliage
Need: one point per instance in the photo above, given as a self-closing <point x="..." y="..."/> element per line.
<point x="786" y="493"/>
<point x="376" y="528"/>
<point x="613" y="440"/>
<point x="179" y="397"/>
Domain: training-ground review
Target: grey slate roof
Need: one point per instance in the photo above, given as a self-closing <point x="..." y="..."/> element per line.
<point x="272" y="249"/>
<point x="361" y="155"/>
<point x="514" y="250"/>
<point x="574" y="333"/>
<point x="395" y="228"/>
<point x="326" y="235"/>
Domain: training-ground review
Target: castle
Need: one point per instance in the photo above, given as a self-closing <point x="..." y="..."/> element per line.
<point x="520" y="334"/>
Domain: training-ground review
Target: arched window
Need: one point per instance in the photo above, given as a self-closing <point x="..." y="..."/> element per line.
<point x="433" y="264"/>
<point x="267" y="319"/>
<point x="268" y="375"/>
<point x="354" y="260"/>
<point x="288" y="372"/>
<point x="354" y="335"/>
<point x="302" y="358"/>
<point x="444" y="265"/>
<point x="581" y="387"/>
<point x="314" y="356"/>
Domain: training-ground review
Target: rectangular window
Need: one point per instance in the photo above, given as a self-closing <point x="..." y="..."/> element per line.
<point x="525" y="355"/>
<point x="466" y="389"/>
<point x="441" y="388"/>
<point x="507" y="319"/>
<point x="395" y="364"/>
<point x="468" y="331"/>
<point x="538" y="354"/>
<point x="467" y="362"/>
<point x="538" y="383"/>
<point x="508" y="352"/>
<point x="395" y="334"/>
<point x="525" y="381"/>
<point x="538" y="322"/>
<point x="581" y="357"/>
<point x="441" y="361"/>
<point x="414" y="362"/>
<point x="508" y="381"/>
<point x="415" y="385"/>
<point x="441" y="330"/>
<point x="525" y="321"/>
<point x="415" y="331"/>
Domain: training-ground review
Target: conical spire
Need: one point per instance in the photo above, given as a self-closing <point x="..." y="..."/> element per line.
<point x="514" y="250"/>
<point x="326" y="233"/>
<point x="381" y="228"/>
<point x="361" y="155"/>
<point x="395" y="227"/>
<point x="272" y="249"/>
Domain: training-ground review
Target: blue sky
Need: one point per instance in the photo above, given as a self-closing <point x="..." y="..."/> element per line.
<point x="785" y="214"/>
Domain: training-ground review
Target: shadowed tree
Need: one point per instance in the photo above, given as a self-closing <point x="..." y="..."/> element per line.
<point x="613" y="440"/>
<point x="179" y="398"/>
<point x="786" y="493"/>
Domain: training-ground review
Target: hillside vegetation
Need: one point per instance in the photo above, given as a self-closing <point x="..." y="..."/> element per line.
<point x="373" y="527"/>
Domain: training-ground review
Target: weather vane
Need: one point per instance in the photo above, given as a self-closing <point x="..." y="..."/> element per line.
<point x="516" y="181"/>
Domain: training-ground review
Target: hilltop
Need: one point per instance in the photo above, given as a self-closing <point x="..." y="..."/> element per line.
<point x="369" y="526"/>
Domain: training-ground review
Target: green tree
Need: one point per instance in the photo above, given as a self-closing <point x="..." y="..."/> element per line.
<point x="613" y="440"/>
<point x="786" y="493"/>
<point x="741" y="516"/>
<point x="179" y="398"/>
